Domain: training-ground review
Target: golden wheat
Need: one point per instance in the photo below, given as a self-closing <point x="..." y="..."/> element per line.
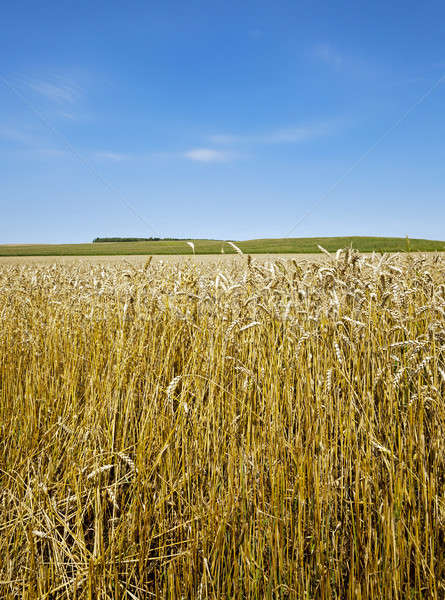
<point x="246" y="429"/>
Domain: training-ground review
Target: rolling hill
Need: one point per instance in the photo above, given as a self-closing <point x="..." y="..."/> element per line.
<point x="260" y="246"/>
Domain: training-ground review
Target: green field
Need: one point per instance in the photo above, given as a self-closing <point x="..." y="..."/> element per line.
<point x="264" y="246"/>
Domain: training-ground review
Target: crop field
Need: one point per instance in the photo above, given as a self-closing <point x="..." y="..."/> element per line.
<point x="243" y="429"/>
<point x="261" y="246"/>
<point x="140" y="259"/>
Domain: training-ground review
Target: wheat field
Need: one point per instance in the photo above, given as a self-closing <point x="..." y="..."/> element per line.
<point x="245" y="429"/>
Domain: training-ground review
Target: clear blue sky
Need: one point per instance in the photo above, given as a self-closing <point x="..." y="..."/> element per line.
<point x="220" y="119"/>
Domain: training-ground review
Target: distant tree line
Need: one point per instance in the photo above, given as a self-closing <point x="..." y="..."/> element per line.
<point x="98" y="240"/>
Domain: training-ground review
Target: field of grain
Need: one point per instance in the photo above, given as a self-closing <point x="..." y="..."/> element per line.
<point x="242" y="429"/>
<point x="139" y="260"/>
<point x="204" y="247"/>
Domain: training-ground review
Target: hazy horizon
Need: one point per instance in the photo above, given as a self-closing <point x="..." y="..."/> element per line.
<point x="216" y="240"/>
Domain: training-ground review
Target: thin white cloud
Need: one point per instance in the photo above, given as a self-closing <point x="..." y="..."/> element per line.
<point x="279" y="136"/>
<point x="55" y="92"/>
<point x="112" y="156"/>
<point x="351" y="65"/>
<point x="207" y="155"/>
<point x="57" y="88"/>
<point x="29" y="142"/>
<point x="69" y="116"/>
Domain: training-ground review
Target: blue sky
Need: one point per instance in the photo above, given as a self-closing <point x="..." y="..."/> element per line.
<point x="220" y="119"/>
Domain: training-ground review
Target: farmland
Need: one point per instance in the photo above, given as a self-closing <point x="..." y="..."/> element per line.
<point x="247" y="428"/>
<point x="261" y="246"/>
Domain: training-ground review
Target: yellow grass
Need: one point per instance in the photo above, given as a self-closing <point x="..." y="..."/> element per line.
<point x="241" y="429"/>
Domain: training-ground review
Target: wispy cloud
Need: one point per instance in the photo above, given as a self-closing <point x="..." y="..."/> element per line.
<point x="112" y="156"/>
<point x="71" y="116"/>
<point x="59" y="92"/>
<point x="208" y="155"/>
<point x="32" y="141"/>
<point x="29" y="142"/>
<point x="347" y="64"/>
<point x="203" y="155"/>
<point x="285" y="135"/>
